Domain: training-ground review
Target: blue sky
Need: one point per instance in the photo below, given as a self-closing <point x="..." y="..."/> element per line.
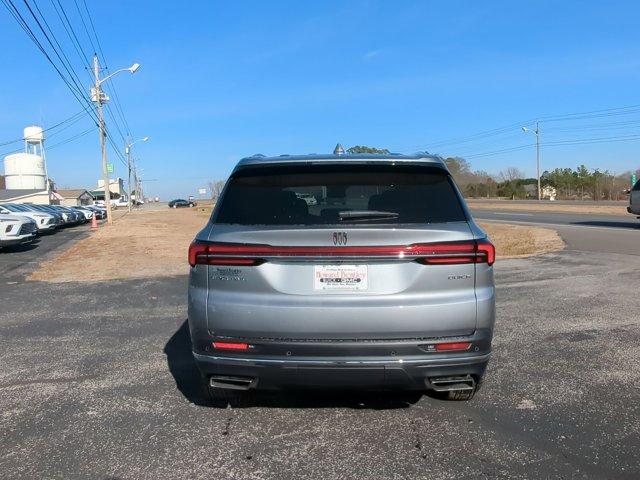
<point x="222" y="80"/>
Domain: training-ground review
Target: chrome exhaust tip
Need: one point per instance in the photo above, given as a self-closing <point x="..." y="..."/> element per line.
<point x="229" y="382"/>
<point x="451" y="384"/>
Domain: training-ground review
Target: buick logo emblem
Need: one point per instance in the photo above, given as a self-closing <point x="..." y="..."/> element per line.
<point x="339" y="238"/>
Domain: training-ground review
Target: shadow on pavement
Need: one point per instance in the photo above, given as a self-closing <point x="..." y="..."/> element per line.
<point x="187" y="377"/>
<point x="21" y="248"/>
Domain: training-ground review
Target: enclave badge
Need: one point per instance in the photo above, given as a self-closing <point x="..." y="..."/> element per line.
<point x="339" y="238"/>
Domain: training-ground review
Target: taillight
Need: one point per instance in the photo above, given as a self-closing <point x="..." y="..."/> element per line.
<point x="486" y="252"/>
<point x="230" y="346"/>
<point x="453" y="346"/>
<point x="196" y="250"/>
<point x="446" y="253"/>
<point x="475" y="251"/>
<point x="210" y="254"/>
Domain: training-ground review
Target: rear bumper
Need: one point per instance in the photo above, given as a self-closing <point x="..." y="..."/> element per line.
<point x="391" y="371"/>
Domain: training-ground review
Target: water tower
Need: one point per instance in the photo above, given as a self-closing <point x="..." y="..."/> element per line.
<point x="27" y="170"/>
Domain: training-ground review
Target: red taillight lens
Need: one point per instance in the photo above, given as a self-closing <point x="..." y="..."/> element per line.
<point x="230" y="346"/>
<point x="196" y="250"/>
<point x="447" y="253"/>
<point x="475" y="251"/>
<point x="210" y="254"/>
<point x="452" y="346"/>
<point x="450" y="253"/>
<point x="486" y="250"/>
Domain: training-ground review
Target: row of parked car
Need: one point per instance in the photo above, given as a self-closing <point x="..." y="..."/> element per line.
<point x="21" y="223"/>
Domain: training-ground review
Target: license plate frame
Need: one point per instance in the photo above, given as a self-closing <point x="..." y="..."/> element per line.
<point x="341" y="278"/>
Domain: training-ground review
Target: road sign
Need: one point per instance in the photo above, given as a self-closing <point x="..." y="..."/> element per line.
<point x="202" y="191"/>
<point x="110" y="167"/>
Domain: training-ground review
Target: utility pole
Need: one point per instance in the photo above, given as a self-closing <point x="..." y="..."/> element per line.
<point x="537" y="132"/>
<point x="135" y="183"/>
<point x="127" y="151"/>
<point x="99" y="98"/>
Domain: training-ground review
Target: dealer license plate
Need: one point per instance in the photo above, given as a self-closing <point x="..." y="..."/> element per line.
<point x="340" y="277"/>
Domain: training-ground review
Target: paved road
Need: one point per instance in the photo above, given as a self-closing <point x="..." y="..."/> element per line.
<point x="592" y="233"/>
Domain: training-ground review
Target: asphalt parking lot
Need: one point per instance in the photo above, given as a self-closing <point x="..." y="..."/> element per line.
<point x="98" y="383"/>
<point x="16" y="261"/>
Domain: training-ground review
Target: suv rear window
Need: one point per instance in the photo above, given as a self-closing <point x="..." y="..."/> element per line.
<point x="339" y="194"/>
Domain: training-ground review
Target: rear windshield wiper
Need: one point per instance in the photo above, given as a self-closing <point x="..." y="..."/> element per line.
<point x="367" y="215"/>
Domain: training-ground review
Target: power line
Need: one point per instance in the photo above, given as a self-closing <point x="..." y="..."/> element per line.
<point x="15" y="13"/>
<point x="118" y="106"/>
<point x="580" y="141"/>
<point x="602" y="113"/>
<point x="71" y="118"/>
<point x="68" y="27"/>
<point x="62" y="142"/>
<point x="86" y="30"/>
<point x="75" y="89"/>
<point x="69" y="69"/>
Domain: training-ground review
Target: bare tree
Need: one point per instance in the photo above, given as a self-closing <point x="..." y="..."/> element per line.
<point x="215" y="188"/>
<point x="511" y="174"/>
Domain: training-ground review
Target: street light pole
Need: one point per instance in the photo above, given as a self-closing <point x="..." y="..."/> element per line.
<point x="537" y="133"/>
<point x="98" y="97"/>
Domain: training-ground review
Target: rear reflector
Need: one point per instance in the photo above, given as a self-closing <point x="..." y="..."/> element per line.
<point x="230" y="346"/>
<point x="449" y="253"/>
<point x="452" y="346"/>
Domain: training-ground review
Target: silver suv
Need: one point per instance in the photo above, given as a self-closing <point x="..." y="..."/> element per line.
<point x="386" y="282"/>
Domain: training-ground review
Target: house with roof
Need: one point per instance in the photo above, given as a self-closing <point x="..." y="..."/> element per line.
<point x="73" y="197"/>
<point x="22" y="195"/>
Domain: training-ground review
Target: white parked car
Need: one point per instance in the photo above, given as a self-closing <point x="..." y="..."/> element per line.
<point x="16" y="230"/>
<point x="45" y="222"/>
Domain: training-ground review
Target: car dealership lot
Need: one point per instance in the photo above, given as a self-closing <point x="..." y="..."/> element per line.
<point x="98" y="382"/>
<point x="17" y="260"/>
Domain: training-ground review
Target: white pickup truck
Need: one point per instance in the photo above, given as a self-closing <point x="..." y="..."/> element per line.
<point x="119" y="202"/>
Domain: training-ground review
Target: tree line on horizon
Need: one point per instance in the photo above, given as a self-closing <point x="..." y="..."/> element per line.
<point x="580" y="183"/>
<point x="570" y="184"/>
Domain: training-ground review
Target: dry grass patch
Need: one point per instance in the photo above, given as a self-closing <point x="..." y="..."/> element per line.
<point x="550" y="207"/>
<point x="140" y="244"/>
<point x="155" y="243"/>
<point x="519" y="240"/>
